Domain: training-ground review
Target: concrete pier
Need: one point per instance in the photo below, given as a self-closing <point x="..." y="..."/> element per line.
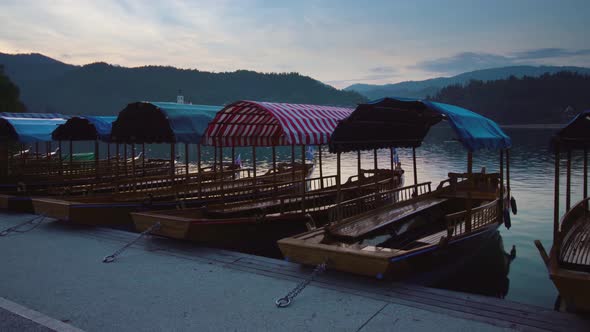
<point x="56" y="269"/>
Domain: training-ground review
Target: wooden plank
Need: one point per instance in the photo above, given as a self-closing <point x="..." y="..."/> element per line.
<point x="384" y="217"/>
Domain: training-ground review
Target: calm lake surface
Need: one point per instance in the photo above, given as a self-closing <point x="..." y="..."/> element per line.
<point x="531" y="168"/>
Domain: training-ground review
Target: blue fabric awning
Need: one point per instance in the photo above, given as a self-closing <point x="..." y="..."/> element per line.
<point x="404" y="122"/>
<point x="475" y="131"/>
<point x="163" y="122"/>
<point x="85" y="128"/>
<point x="29" y="127"/>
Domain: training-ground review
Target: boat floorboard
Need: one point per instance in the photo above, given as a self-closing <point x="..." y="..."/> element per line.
<point x="385" y="216"/>
<point x="160" y="284"/>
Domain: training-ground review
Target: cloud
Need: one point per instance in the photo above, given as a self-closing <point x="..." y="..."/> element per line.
<point x="375" y="74"/>
<point x="544" y="53"/>
<point x="469" y="61"/>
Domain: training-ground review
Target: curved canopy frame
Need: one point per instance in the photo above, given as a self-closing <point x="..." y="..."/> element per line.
<point x="254" y="123"/>
<point x="29" y="127"/>
<point x="162" y="122"/>
<point x="403" y="122"/>
<point x="575" y="135"/>
<point x="85" y="128"/>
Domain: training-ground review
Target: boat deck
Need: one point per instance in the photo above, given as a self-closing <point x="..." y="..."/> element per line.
<point x="160" y="284"/>
<point x="575" y="250"/>
<point x="383" y="217"/>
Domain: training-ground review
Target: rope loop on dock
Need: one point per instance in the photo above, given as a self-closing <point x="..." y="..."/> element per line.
<point x="111" y="258"/>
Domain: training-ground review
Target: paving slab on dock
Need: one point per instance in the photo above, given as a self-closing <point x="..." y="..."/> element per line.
<point x="160" y="284"/>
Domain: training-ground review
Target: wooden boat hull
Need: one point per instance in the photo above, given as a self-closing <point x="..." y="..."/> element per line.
<point x="246" y="234"/>
<point x="16" y="203"/>
<point x="380" y="263"/>
<point x="573" y="286"/>
<point x="95" y="213"/>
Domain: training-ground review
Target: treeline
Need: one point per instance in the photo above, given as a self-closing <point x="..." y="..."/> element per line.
<point x="9" y="95"/>
<point x="100" y="88"/>
<point x="550" y="98"/>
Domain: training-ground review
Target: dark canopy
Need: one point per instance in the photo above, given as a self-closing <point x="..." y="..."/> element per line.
<point x="85" y="128"/>
<point x="575" y="135"/>
<point x="162" y="122"/>
<point x="403" y="122"/>
<point x="29" y="127"/>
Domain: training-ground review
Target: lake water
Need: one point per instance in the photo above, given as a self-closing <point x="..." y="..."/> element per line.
<point x="531" y="169"/>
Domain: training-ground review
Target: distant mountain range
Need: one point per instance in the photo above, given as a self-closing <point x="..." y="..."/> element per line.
<point x="430" y="87"/>
<point x="48" y="85"/>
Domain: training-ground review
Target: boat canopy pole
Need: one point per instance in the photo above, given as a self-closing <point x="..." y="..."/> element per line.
<point x="502" y="184"/>
<point x="375" y="166"/>
<point x="303" y="176"/>
<point x="172" y="160"/>
<point x="143" y="158"/>
<point x="37" y="150"/>
<point x="96" y="159"/>
<point x="321" y="167"/>
<point x="556" y="201"/>
<point x="292" y="162"/>
<point x="125" y="157"/>
<point x="186" y="160"/>
<point x="48" y="156"/>
<point x="133" y="165"/>
<point x="233" y="161"/>
<point x="568" y="183"/>
<point x="199" y="169"/>
<point x="392" y="168"/>
<point x="71" y="158"/>
<point x="199" y="157"/>
<point x="254" y="169"/>
<point x="222" y="175"/>
<point x="585" y="172"/>
<point x="60" y="157"/>
<point x="508" y="172"/>
<point x="215" y="158"/>
<point x="116" y="160"/>
<point x="338" y="196"/>
<point x="274" y="168"/>
<point x="415" y="172"/>
<point x="468" y="202"/>
<point x="358" y="167"/>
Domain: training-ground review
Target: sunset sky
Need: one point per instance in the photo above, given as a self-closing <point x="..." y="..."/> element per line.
<point x="337" y="42"/>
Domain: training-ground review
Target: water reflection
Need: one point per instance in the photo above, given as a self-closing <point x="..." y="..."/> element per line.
<point x="485" y="273"/>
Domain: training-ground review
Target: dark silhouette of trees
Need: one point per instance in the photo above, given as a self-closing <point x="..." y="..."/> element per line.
<point x="550" y="98"/>
<point x="9" y="95"/>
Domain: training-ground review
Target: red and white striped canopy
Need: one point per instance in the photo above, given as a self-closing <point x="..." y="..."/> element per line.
<point x="253" y="123"/>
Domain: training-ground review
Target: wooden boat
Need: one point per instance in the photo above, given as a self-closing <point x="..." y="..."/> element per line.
<point x="254" y="226"/>
<point x="387" y="241"/>
<point x="260" y="124"/>
<point x="156" y="194"/>
<point x="395" y="233"/>
<point x="568" y="261"/>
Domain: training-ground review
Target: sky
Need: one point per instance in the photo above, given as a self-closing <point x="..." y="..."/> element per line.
<point x="337" y="42"/>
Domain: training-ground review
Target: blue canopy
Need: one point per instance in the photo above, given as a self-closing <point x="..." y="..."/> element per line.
<point x="29" y="127"/>
<point x="163" y="122"/>
<point x="475" y="131"/>
<point x="404" y="122"/>
<point x="85" y="128"/>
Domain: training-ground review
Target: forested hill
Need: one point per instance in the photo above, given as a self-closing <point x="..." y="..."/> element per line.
<point x="48" y="85"/>
<point x="550" y="98"/>
<point x="9" y="95"/>
<point x="421" y="89"/>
